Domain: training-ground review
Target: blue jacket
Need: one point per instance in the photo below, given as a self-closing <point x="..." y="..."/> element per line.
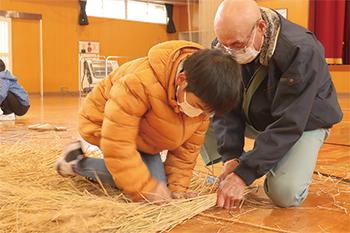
<point x="296" y="96"/>
<point x="8" y="82"/>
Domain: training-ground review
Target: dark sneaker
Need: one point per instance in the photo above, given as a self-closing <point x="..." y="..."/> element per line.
<point x="72" y="154"/>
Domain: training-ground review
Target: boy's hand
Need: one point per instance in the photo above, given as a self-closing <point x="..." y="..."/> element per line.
<point x="186" y="195"/>
<point x="160" y="194"/>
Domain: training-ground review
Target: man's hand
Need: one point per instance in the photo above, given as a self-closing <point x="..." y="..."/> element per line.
<point x="160" y="194"/>
<point x="229" y="165"/>
<point x="186" y="195"/>
<point x="231" y="191"/>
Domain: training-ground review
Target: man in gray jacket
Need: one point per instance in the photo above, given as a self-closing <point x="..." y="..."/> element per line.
<point x="288" y="106"/>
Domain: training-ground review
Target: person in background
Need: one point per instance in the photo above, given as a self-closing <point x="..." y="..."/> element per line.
<point x="156" y="103"/>
<point x="13" y="98"/>
<point x="288" y="106"/>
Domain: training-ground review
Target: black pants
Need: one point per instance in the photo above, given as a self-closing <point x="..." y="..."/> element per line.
<point x="12" y="104"/>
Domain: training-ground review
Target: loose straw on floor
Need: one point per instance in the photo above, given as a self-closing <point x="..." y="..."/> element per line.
<point x="35" y="198"/>
<point x="242" y="222"/>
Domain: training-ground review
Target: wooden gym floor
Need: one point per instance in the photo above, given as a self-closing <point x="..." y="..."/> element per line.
<point x="326" y="208"/>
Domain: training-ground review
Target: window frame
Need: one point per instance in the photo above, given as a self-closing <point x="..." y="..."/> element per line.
<point x="126" y="9"/>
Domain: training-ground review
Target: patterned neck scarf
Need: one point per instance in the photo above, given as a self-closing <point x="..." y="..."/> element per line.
<point x="273" y="25"/>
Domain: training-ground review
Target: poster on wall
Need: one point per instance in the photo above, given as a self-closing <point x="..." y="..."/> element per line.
<point x="283" y="12"/>
<point x="89" y="47"/>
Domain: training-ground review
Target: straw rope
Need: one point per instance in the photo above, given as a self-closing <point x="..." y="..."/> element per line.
<point x="245" y="223"/>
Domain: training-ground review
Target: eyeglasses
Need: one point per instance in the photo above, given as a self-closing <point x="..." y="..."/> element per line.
<point x="245" y="47"/>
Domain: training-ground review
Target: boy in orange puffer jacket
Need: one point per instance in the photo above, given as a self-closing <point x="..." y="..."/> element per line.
<point x="156" y="103"/>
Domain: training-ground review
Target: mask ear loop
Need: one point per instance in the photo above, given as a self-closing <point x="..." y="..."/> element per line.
<point x="177" y="88"/>
<point x="262" y="42"/>
<point x="185" y="92"/>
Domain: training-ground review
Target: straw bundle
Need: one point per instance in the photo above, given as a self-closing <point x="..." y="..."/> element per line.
<point x="34" y="198"/>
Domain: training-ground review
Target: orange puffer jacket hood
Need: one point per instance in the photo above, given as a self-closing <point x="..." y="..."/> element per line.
<point x="134" y="109"/>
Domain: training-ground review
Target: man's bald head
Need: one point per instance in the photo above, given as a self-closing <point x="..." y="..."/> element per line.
<point x="234" y="20"/>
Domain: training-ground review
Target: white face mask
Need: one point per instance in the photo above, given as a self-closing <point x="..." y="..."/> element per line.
<point x="186" y="108"/>
<point x="244" y="56"/>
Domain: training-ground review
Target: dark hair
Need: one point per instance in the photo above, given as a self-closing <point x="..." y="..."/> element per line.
<point x="215" y="78"/>
<point x="2" y="65"/>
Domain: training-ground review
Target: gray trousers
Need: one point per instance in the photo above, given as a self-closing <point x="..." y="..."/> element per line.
<point x="287" y="184"/>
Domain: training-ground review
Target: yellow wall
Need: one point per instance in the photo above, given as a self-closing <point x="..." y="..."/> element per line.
<point x="26" y="53"/>
<point x="61" y="33"/>
<point x="341" y="80"/>
<point x="297" y="10"/>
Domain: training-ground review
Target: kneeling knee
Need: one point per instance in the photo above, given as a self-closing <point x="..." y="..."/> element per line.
<point x="285" y="192"/>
